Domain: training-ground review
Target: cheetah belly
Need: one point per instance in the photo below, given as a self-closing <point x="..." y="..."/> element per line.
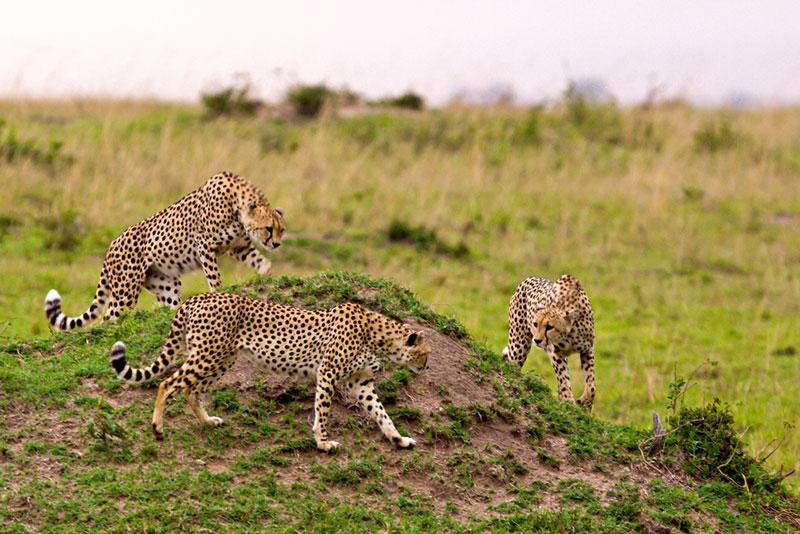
<point x="299" y="364"/>
<point x="175" y="267"/>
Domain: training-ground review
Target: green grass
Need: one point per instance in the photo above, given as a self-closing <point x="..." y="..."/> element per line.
<point x="685" y="241"/>
<point x="688" y="254"/>
<point x="261" y="471"/>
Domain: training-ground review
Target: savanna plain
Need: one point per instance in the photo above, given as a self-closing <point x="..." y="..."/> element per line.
<point x="682" y="224"/>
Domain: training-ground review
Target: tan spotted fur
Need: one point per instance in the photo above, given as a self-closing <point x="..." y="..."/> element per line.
<point x="227" y="214"/>
<point x="342" y="347"/>
<point x="558" y="318"/>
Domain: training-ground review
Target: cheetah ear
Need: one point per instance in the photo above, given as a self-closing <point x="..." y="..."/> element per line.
<point x="279" y="211"/>
<point x="414" y="338"/>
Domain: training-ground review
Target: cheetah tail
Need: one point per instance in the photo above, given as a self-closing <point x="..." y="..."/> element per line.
<point x="52" y="308"/>
<point x="172" y="346"/>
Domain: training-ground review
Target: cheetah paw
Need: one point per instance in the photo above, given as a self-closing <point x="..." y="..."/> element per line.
<point x="214" y="421"/>
<point x="405" y="443"/>
<point x="327" y="446"/>
<point x="265" y="270"/>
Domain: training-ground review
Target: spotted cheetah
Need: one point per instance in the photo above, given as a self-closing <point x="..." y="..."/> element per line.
<point x="557" y="316"/>
<point x="343" y="347"/>
<point x="227" y="214"/>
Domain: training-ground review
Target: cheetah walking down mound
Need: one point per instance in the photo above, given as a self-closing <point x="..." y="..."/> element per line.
<point x="227" y="214"/>
<point x="343" y="346"/>
<point x="557" y="316"/>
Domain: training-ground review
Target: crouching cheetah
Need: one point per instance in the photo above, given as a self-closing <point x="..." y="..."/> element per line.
<point x="557" y="317"/>
<point x="227" y="214"/>
<point x="343" y="346"/>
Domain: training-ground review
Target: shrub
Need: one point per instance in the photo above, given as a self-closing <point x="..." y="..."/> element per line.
<point x="424" y="239"/>
<point x="596" y="122"/>
<point x="713" y="137"/>
<point x="308" y="100"/>
<point x="408" y="100"/>
<point x="713" y="448"/>
<point x="230" y="101"/>
<point x="280" y="137"/>
<point x="64" y="230"/>
<point x="13" y="149"/>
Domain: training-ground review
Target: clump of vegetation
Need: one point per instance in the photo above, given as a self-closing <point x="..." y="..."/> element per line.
<point x="424" y="239"/>
<point x="596" y="122"/>
<point x="6" y="223"/>
<point x="391" y="386"/>
<point x="14" y="149"/>
<point x="408" y="100"/>
<point x="714" y="137"/>
<point x="351" y="474"/>
<point x="230" y="101"/>
<point x="280" y="137"/>
<point x="707" y="436"/>
<point x="64" y="230"/>
<point x="308" y="100"/>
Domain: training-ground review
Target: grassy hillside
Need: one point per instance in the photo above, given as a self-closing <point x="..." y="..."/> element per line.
<point x="682" y="225"/>
<point x="495" y="449"/>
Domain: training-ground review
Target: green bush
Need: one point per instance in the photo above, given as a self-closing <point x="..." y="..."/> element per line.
<point x="424" y="239"/>
<point x="64" y="230"/>
<point x="230" y="101"/>
<point x="280" y="137"/>
<point x="13" y="149"/>
<point x="308" y="100"/>
<point x="714" y="137"/>
<point x="713" y="448"/>
<point x="596" y="122"/>
<point x="408" y="100"/>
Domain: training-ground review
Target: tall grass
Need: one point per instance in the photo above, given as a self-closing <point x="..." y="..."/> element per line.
<point x="688" y="254"/>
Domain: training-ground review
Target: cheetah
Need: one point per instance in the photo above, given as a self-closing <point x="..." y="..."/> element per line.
<point x="557" y="316"/>
<point x="340" y="347"/>
<point x="227" y="214"/>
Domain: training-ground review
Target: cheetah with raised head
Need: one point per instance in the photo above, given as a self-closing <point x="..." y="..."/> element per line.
<point x="343" y="346"/>
<point x="557" y="316"/>
<point x="227" y="214"/>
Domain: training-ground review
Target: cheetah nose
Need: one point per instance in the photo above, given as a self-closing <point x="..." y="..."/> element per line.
<point x="276" y="245"/>
<point x="538" y="341"/>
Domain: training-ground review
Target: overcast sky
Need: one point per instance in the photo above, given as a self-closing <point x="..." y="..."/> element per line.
<point x="708" y="51"/>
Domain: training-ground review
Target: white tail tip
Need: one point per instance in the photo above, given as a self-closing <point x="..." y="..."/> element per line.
<point x="52" y="295"/>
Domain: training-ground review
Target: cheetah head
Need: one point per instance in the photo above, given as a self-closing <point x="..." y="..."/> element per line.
<point x="551" y="327"/>
<point x="263" y="223"/>
<point x="410" y="350"/>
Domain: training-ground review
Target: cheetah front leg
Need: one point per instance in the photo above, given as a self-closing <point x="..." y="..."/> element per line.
<point x="208" y="262"/>
<point x="587" y="363"/>
<point x="252" y="257"/>
<point x="562" y="375"/>
<point x="364" y="391"/>
<point x="519" y="333"/>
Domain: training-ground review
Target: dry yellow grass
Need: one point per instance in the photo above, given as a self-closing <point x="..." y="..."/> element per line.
<point x="688" y="256"/>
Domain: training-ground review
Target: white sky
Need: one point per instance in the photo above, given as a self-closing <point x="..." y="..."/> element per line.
<point x="705" y="50"/>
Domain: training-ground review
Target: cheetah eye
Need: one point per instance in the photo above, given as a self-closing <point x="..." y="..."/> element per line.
<point x="269" y="229"/>
<point x="548" y="328"/>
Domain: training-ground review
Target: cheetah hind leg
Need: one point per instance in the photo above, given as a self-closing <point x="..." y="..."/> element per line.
<point x="165" y="288"/>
